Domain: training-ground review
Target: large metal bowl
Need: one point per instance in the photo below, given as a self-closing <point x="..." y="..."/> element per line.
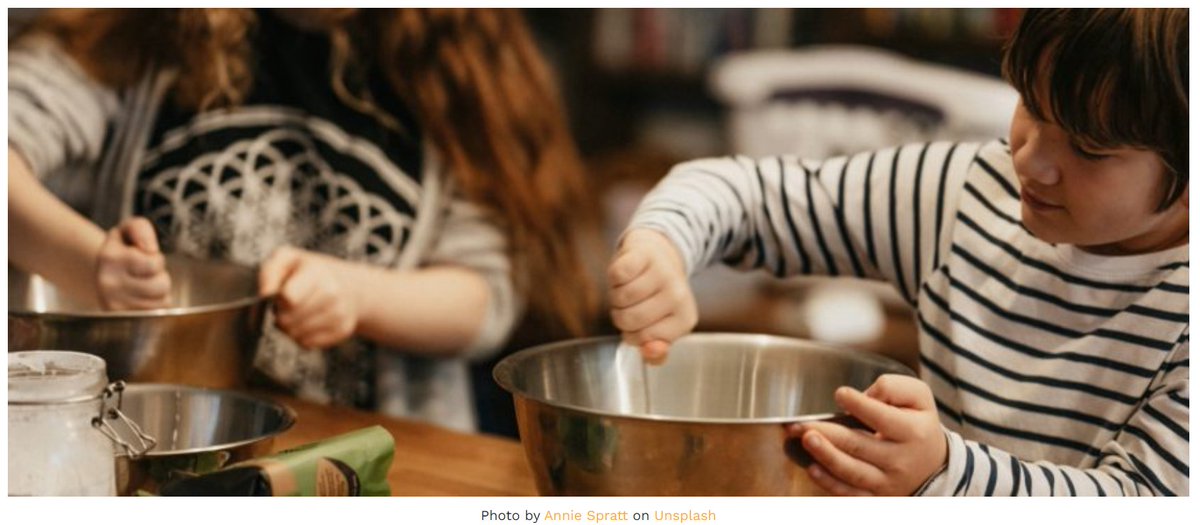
<point x="710" y="421"/>
<point x="197" y="430"/>
<point x="206" y="338"/>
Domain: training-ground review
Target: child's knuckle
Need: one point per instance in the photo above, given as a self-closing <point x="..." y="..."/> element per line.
<point x="690" y="316"/>
<point x="620" y="318"/>
<point x="860" y="479"/>
<point x="107" y="256"/>
<point x="624" y="296"/>
<point x="107" y="282"/>
<point x="853" y="447"/>
<point x="641" y="337"/>
<point x="886" y="382"/>
<point x="615" y="272"/>
<point x="637" y="318"/>
<point x="678" y="292"/>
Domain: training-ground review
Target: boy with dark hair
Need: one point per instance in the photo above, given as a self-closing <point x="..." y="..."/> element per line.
<point x="1048" y="272"/>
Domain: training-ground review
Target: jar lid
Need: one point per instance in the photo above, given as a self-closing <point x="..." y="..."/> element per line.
<point x="54" y="375"/>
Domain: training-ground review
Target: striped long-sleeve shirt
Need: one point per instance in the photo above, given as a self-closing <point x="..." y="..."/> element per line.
<point x="1056" y="371"/>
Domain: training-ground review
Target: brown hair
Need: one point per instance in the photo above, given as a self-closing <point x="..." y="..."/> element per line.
<point x="473" y="77"/>
<point x="1116" y="77"/>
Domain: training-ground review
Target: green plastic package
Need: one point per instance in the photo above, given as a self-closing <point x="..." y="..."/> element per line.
<point x="353" y="464"/>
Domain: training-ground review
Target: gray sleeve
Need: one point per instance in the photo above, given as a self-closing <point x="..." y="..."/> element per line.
<point x="471" y="238"/>
<point x="58" y="116"/>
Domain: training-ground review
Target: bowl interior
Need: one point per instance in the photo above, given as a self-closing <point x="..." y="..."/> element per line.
<point x="186" y="420"/>
<point x="194" y="283"/>
<point x="707" y="377"/>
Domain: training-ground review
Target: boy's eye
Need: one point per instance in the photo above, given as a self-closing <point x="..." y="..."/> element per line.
<point x="1087" y="153"/>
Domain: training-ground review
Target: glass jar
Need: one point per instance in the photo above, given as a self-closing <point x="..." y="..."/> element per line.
<point x="60" y="432"/>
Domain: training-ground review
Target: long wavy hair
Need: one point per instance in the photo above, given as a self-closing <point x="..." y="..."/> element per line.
<point x="474" y="78"/>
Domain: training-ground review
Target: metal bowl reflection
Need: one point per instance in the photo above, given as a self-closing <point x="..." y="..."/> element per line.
<point x="206" y="338"/>
<point x="197" y="430"/>
<point x="710" y="421"/>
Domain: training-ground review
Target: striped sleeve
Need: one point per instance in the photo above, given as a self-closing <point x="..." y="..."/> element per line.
<point x="880" y="214"/>
<point x="57" y="114"/>
<point x="1148" y="456"/>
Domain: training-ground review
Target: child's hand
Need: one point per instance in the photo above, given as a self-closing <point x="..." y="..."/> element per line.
<point x="907" y="448"/>
<point x="652" y="303"/>
<point x="314" y="304"/>
<point x="131" y="273"/>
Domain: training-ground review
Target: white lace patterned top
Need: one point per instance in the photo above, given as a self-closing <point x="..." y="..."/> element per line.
<point x="291" y="165"/>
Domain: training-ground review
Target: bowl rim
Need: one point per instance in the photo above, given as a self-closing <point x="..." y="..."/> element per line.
<point x="289" y="416"/>
<point x="21" y="310"/>
<point x="156" y="313"/>
<point x="504" y="371"/>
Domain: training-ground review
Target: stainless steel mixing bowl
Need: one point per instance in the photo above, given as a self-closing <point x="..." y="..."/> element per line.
<point x="206" y="338"/>
<point x="198" y="430"/>
<point x="710" y="421"/>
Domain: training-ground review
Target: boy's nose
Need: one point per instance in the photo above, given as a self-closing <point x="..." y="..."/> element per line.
<point x="1035" y="162"/>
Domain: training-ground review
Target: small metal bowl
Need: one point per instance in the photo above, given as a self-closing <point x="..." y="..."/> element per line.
<point x="198" y="430"/>
<point x="206" y="338"/>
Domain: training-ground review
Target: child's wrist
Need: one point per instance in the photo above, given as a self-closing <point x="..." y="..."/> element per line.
<point x="929" y="481"/>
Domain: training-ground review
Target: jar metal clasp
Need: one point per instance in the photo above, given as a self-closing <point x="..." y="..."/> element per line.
<point x="144" y="442"/>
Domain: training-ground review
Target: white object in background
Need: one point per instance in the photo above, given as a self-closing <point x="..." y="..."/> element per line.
<point x="842" y="314"/>
<point x="765" y="88"/>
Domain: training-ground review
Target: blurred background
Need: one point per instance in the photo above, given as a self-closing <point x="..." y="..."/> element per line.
<point x="647" y="88"/>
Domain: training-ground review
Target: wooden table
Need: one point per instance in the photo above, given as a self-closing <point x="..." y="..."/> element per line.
<point x="429" y="460"/>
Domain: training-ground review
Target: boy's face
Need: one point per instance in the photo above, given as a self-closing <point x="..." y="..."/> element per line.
<point x="1102" y="200"/>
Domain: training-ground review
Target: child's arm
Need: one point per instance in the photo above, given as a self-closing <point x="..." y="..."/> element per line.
<point x="58" y="120"/>
<point x="460" y="302"/>
<point x="875" y="214"/>
<point x="1148" y="456"/>
<point x="880" y="214"/>
<point x="46" y="236"/>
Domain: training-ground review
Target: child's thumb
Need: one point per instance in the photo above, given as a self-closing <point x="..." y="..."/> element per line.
<point x="139" y="233"/>
<point x="655" y="352"/>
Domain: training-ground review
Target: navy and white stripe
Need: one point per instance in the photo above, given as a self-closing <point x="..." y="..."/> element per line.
<point x="1056" y="371"/>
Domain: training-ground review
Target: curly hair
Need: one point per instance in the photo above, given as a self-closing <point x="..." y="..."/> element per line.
<point x="474" y="78"/>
